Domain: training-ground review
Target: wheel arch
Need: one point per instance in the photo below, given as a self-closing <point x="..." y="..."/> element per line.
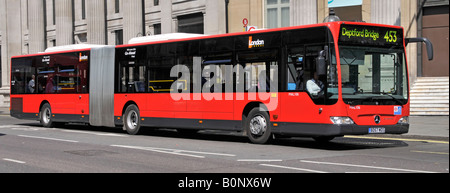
<point x="251" y="106"/>
<point x="127" y="105"/>
<point x="42" y="104"/>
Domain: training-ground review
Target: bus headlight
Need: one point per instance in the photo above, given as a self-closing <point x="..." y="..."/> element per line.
<point x="342" y="120"/>
<point x="404" y="120"/>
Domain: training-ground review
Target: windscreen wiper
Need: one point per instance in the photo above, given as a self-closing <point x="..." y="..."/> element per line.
<point x="359" y="101"/>
<point x="390" y="95"/>
<point x="356" y="101"/>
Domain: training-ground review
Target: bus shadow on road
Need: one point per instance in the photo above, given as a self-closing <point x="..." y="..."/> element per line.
<point x="338" y="144"/>
<point x="341" y="143"/>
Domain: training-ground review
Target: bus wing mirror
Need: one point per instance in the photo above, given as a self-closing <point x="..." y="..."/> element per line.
<point x="321" y="64"/>
<point x="428" y="43"/>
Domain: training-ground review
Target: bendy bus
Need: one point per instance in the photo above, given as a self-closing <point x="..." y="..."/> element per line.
<point x="260" y="83"/>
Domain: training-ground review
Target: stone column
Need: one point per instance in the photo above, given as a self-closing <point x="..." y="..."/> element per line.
<point x="386" y="12"/>
<point x="36" y="26"/>
<point x="166" y="17"/>
<point x="11" y="29"/>
<point x="11" y="37"/>
<point x="322" y="10"/>
<point x="4" y="54"/>
<point x="214" y="17"/>
<point x="409" y="23"/>
<point x="366" y="11"/>
<point x="303" y="12"/>
<point x="96" y="22"/>
<point x="133" y="24"/>
<point x="64" y="22"/>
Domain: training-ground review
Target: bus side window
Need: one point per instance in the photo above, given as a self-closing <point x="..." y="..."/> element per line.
<point x="296" y="70"/>
<point x="22" y="76"/>
<point x="256" y="64"/>
<point x="132" y="77"/>
<point x="218" y="66"/>
<point x="49" y="83"/>
<point x="159" y="74"/>
<point x="67" y="81"/>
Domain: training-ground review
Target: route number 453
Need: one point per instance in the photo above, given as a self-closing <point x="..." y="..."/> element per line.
<point x="391" y="36"/>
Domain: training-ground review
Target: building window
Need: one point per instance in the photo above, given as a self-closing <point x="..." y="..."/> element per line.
<point x="54" y="12"/>
<point x="157" y="29"/>
<point x="277" y="13"/>
<point x="119" y="37"/>
<point x="83" y="9"/>
<point x="81" y="38"/>
<point x="155" y="2"/>
<point x="1" y="66"/>
<point x="192" y="23"/>
<point x="117" y="6"/>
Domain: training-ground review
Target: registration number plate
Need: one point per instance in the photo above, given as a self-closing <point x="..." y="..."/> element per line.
<point x="377" y="130"/>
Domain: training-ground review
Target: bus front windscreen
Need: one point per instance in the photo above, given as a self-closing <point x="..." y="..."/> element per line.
<point x="373" y="76"/>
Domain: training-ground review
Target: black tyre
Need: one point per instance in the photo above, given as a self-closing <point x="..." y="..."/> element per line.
<point x="258" y="127"/>
<point x="45" y="116"/>
<point x="132" y="120"/>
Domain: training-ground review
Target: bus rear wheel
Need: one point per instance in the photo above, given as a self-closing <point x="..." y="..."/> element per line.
<point x="257" y="126"/>
<point x="45" y="116"/>
<point x="132" y="120"/>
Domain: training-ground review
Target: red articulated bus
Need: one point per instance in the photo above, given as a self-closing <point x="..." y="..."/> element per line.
<point x="321" y="81"/>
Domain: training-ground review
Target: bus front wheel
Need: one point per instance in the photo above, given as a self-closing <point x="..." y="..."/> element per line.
<point x="257" y="126"/>
<point x="132" y="120"/>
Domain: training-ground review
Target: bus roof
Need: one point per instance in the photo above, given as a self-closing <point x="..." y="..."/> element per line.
<point x="163" y="37"/>
<point x="198" y="37"/>
<point x="72" y="47"/>
<point x="167" y="38"/>
<point x="63" y="49"/>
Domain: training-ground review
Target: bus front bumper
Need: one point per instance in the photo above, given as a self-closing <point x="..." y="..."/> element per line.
<point x="316" y="130"/>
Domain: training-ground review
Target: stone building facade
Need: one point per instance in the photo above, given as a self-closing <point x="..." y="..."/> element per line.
<point x="31" y="26"/>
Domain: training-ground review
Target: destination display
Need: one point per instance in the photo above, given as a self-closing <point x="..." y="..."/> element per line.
<point x="370" y="35"/>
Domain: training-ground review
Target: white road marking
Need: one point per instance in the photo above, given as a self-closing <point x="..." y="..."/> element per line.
<point x="259" y="160"/>
<point x="293" y="168"/>
<point x="396" y="139"/>
<point x="156" y="150"/>
<point x="195" y="152"/>
<point x="431" y="152"/>
<point x="95" y="133"/>
<point x="13" y="160"/>
<point x="25" y="128"/>
<point x="365" y="166"/>
<point x="175" y="151"/>
<point x="8" y="126"/>
<point x="48" y="138"/>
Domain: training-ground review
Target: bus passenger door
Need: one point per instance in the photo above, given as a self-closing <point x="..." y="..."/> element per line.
<point x="210" y="79"/>
<point x="160" y="102"/>
<point x="64" y="84"/>
<point x="298" y="104"/>
<point x="82" y="105"/>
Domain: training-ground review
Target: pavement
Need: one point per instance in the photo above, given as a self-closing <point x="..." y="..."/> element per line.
<point x="430" y="127"/>
<point x="4" y="110"/>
